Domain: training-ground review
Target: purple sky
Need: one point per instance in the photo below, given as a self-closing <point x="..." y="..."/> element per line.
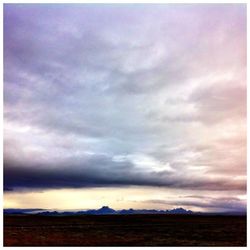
<point x="131" y="105"/>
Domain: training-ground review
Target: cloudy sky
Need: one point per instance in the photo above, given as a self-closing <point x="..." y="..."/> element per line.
<point x="140" y="106"/>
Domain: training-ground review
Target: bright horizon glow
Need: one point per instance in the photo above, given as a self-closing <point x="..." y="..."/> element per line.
<point x="118" y="198"/>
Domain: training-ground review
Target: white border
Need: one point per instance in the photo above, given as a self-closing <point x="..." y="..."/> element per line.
<point x="110" y="2"/>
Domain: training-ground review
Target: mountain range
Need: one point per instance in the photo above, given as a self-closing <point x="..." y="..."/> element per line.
<point x="105" y="210"/>
<point x="102" y="211"/>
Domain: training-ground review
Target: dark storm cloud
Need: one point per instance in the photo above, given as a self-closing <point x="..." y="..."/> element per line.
<point x="99" y="171"/>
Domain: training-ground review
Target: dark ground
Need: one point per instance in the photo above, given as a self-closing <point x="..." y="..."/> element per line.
<point x="124" y="230"/>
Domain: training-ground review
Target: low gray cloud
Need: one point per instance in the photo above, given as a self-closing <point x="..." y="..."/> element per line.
<point x="229" y="204"/>
<point x="99" y="171"/>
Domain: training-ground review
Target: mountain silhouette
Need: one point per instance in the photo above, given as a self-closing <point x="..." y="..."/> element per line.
<point x="101" y="211"/>
<point x="179" y="211"/>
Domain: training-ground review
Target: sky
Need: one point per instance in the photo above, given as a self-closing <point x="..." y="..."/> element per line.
<point x="127" y="105"/>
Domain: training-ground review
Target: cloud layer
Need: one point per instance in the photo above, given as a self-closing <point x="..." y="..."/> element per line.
<point x="119" y="95"/>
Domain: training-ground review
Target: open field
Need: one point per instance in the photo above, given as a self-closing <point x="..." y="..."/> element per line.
<point x="124" y="230"/>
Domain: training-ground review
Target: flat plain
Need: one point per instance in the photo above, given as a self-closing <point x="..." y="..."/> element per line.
<point x="124" y="230"/>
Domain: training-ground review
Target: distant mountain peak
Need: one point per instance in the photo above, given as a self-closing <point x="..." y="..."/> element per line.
<point x="179" y="210"/>
<point x="106" y="209"/>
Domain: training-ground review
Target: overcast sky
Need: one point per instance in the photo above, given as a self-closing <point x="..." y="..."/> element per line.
<point x="138" y="106"/>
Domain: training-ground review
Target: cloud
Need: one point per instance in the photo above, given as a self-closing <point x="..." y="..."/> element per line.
<point x="229" y="204"/>
<point x="100" y="171"/>
<point x="125" y="95"/>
